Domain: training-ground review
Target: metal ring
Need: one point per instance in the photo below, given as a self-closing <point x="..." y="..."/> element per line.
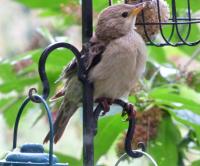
<point x="31" y="95"/>
<point x="124" y="156"/>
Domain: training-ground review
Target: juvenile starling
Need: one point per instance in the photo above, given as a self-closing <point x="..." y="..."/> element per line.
<point x="151" y="16"/>
<point x="116" y="57"/>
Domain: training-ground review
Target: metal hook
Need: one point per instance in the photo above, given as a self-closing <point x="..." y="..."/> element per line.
<point x="31" y="95"/>
<point x="43" y="59"/>
<point x="130" y="132"/>
<point x="124" y="156"/>
<point x="41" y="100"/>
<point x="87" y="88"/>
<point x="131" y="128"/>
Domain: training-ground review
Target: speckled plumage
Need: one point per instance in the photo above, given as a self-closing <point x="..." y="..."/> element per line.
<point x="115" y="62"/>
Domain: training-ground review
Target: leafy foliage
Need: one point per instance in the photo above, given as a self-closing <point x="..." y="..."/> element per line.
<point x="166" y="144"/>
<point x="104" y="139"/>
<point x="196" y="163"/>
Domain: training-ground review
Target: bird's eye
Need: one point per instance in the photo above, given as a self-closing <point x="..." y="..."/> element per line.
<point x="125" y="14"/>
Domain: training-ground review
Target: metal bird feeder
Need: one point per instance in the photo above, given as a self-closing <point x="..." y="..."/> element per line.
<point x="177" y="31"/>
<point x="31" y="154"/>
<point x="90" y="116"/>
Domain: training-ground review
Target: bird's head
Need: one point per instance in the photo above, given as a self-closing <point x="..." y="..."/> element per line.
<point x="117" y="20"/>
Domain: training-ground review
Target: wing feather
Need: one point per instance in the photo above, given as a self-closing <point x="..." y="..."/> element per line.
<point x="91" y="54"/>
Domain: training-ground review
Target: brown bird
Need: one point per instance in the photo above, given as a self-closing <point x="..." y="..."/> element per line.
<point x="116" y="57"/>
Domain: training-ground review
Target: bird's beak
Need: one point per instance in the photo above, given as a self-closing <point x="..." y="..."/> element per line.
<point x="138" y="8"/>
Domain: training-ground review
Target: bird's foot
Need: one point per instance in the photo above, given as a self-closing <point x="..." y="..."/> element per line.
<point x="129" y="110"/>
<point x="105" y="102"/>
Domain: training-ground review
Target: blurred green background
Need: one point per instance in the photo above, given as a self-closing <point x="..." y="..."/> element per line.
<point x="168" y="99"/>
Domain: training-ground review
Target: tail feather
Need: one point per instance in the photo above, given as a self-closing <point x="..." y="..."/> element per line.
<point x="57" y="96"/>
<point x="66" y="111"/>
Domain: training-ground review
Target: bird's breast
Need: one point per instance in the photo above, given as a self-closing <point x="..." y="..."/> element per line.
<point x="121" y="65"/>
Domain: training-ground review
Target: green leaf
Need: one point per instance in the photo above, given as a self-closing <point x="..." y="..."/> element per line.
<point x="158" y="55"/>
<point x="189" y="93"/>
<point x="99" y="5"/>
<point x="172" y="96"/>
<point x="6" y="103"/>
<point x="11" y="112"/>
<point x="5" y="71"/>
<point x="18" y="82"/>
<point x="196" y="163"/>
<point x="164" y="148"/>
<point x="109" y="128"/>
<point x="181" y="102"/>
<point x="68" y="159"/>
<point x="195" y="81"/>
<point x="17" y="85"/>
<point x="45" y="3"/>
<point x="29" y="76"/>
<point x="188" y="118"/>
<point x="46" y="34"/>
<point x="184" y="4"/>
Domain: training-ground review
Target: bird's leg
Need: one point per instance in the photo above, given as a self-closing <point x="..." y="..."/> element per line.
<point x="129" y="109"/>
<point x="105" y="102"/>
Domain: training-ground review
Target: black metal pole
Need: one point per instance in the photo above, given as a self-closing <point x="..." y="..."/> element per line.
<point x="88" y="120"/>
<point x="87" y="20"/>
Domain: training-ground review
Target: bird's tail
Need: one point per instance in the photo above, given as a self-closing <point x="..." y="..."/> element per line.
<point x="67" y="109"/>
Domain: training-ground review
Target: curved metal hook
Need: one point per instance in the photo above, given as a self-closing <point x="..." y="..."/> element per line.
<point x="124" y="156"/>
<point x="26" y="101"/>
<point x="31" y="93"/>
<point x="43" y="59"/>
<point x="129" y="138"/>
<point x="130" y="132"/>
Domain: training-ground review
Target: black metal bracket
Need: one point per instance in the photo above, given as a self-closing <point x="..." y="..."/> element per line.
<point x="131" y="128"/>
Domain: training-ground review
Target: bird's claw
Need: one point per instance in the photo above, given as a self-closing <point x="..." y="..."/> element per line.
<point x="105" y="103"/>
<point x="130" y="111"/>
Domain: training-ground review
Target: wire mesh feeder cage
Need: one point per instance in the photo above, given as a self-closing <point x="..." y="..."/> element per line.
<point x="168" y="23"/>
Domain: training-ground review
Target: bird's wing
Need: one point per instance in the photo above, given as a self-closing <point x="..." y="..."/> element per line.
<point x="91" y="54"/>
<point x="69" y="70"/>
